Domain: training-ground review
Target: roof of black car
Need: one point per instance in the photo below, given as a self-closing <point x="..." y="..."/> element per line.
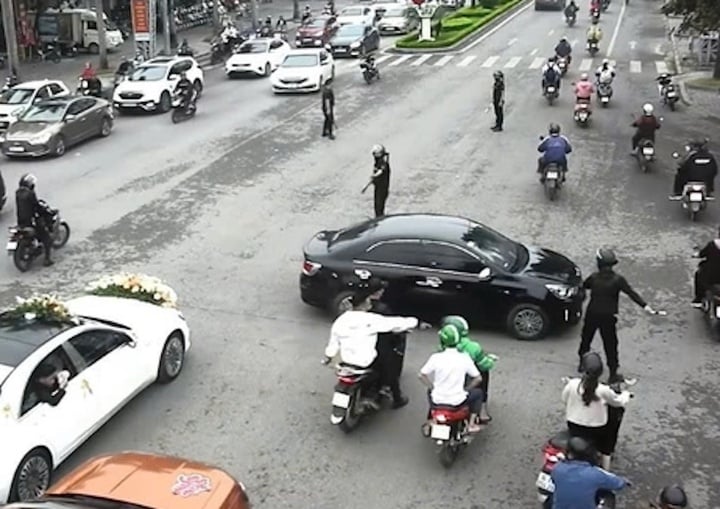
<point x="409" y="226"/>
<point x="18" y="342"/>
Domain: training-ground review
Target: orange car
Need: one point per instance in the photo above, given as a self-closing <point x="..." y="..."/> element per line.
<point x="145" y="481"/>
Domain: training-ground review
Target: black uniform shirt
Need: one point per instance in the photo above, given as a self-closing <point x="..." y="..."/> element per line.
<point x="328" y="101"/>
<point x="605" y="287"/>
<point x="382" y="181"/>
<point x="26" y="206"/>
<point x="498" y="91"/>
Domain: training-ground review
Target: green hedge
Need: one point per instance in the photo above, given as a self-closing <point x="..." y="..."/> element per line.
<point x="453" y="32"/>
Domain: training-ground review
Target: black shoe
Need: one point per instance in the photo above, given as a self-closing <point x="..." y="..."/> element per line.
<point x="48" y="262"/>
<point x="400" y="402"/>
<point x="331" y="136"/>
<point x="496" y="129"/>
<point x="324" y="135"/>
<point x="615" y="378"/>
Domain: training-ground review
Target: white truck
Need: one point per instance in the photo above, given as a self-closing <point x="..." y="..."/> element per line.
<point x="77" y="27"/>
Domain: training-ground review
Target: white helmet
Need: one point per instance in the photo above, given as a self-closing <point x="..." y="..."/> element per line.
<point x="648" y="109"/>
<point x="378" y="150"/>
<point x="584" y="76"/>
<point x="605" y="61"/>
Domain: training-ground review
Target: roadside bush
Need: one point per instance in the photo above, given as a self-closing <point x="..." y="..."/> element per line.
<point x="456" y="23"/>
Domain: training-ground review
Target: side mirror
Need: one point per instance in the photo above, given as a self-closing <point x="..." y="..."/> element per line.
<point x="173" y="77"/>
<point x="675" y="155"/>
<point x="70" y="117"/>
<point x="485" y="274"/>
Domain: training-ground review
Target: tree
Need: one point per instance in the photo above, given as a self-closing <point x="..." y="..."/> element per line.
<point x="700" y="15"/>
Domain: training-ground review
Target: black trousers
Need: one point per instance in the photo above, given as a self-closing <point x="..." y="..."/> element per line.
<point x="703" y="281"/>
<point x="681" y="179"/>
<point x="328" y="125"/>
<point x="637" y="137"/>
<point x="608" y="332"/>
<point x="380" y="197"/>
<point x="499" y="114"/>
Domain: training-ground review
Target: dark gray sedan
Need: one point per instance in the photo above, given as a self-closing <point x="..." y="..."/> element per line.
<point x="51" y="126"/>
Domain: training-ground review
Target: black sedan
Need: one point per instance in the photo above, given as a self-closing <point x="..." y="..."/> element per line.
<point x="354" y="41"/>
<point x="437" y="265"/>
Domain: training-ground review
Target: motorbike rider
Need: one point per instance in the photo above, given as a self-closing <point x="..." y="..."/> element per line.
<point x="88" y="74"/>
<point x="281" y="25"/>
<point x="354" y="334"/>
<point x="699" y="165"/>
<point x="445" y="373"/>
<point x="306" y="15"/>
<point x="671" y="497"/>
<point x="229" y="35"/>
<point x="554" y="149"/>
<point x="594" y="6"/>
<point x="594" y="33"/>
<point x="605" y="74"/>
<point x="646" y="126"/>
<point x="483" y="361"/>
<point x="577" y="480"/>
<point x="708" y="271"/>
<point x="663" y="80"/>
<point x="551" y="74"/>
<point x="564" y="50"/>
<point x="124" y="68"/>
<point x="584" y="90"/>
<point x="571" y="10"/>
<point x="185" y="89"/>
<point x="185" y="50"/>
<point x="32" y="214"/>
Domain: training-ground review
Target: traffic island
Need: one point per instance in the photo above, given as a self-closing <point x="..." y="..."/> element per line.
<point x="441" y="30"/>
<point x="710" y="84"/>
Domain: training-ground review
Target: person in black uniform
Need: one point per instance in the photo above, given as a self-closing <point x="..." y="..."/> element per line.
<point x="328" y="109"/>
<point x="380" y="178"/>
<point x="499" y="100"/>
<point x="708" y="271"/>
<point x="605" y="286"/>
<point x="31" y="214"/>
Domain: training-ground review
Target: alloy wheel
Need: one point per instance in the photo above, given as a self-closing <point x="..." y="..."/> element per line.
<point x="174" y="356"/>
<point x="33" y="478"/>
<point x="528" y="323"/>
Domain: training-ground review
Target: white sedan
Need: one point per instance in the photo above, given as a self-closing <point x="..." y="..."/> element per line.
<point x="117" y="348"/>
<point x="257" y="56"/>
<point x="303" y="70"/>
<point x="357" y="15"/>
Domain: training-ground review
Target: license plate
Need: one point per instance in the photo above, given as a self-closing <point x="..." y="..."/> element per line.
<point x="551" y="89"/>
<point x="717" y="312"/>
<point x="671" y="94"/>
<point x="605" y="99"/>
<point x="648" y="151"/>
<point x="440" y="432"/>
<point x="341" y="400"/>
<point x="308" y="41"/>
<point x="340" y="50"/>
<point x="696" y="197"/>
<point x="552" y="174"/>
<point x="16" y="149"/>
<point x="545" y="482"/>
<point x="11" y="246"/>
<point x="582" y="116"/>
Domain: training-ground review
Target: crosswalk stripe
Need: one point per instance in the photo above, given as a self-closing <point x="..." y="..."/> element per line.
<point x="400" y="60"/>
<point x="490" y="61"/>
<point x="383" y="58"/>
<point x="537" y="63"/>
<point x="421" y="60"/>
<point x="635" y="66"/>
<point x="661" y="67"/>
<point x="444" y="60"/>
<point x="466" y="61"/>
<point x="513" y="62"/>
<point x="586" y="64"/>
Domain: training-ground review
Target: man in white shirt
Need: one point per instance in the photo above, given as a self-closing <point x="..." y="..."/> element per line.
<point x="605" y="73"/>
<point x="445" y="373"/>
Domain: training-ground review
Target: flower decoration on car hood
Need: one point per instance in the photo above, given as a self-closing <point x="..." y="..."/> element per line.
<point x="135" y="286"/>
<point x="41" y="308"/>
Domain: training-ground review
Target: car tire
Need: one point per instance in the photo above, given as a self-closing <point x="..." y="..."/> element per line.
<point x="527" y="322"/>
<point x="105" y="127"/>
<point x="363" y="51"/>
<point x="165" y="102"/>
<point x="37" y="464"/>
<point x="340" y="303"/>
<point x="93" y="48"/>
<point x="198" y="87"/>
<point x="172" y="358"/>
<point x="58" y="146"/>
<point x="267" y="70"/>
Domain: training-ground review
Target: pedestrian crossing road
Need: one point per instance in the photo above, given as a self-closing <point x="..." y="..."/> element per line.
<point x="495" y="62"/>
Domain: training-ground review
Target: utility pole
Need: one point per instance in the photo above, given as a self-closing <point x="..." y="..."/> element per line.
<point x="166" y="25"/>
<point x="254" y="18"/>
<point x="296" y="10"/>
<point x="173" y="27"/>
<point x="216" y="17"/>
<point x="102" y="40"/>
<point x="8" y="15"/>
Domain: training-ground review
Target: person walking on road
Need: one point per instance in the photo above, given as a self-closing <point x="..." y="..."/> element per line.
<point x="380" y="179"/>
<point x="328" y="109"/>
<point x="605" y="286"/>
<point x="499" y="100"/>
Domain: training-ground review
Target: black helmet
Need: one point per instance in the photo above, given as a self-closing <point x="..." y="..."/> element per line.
<point x="592" y="364"/>
<point x="580" y="449"/>
<point x="605" y="257"/>
<point x="673" y="497"/>
<point x="28" y="180"/>
<point x="554" y="129"/>
<point x="498" y="75"/>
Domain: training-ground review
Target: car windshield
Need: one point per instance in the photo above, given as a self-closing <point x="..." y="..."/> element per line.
<point x="495" y="247"/>
<point x="317" y="23"/>
<point x="352" y="11"/>
<point x="16" y="96"/>
<point x="45" y="112"/>
<point x="351" y="31"/>
<point x="300" y="61"/>
<point x="253" y="47"/>
<point x="396" y="12"/>
<point x="149" y="73"/>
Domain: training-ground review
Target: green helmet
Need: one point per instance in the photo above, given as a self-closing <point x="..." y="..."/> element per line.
<point x="449" y="336"/>
<point x="459" y="322"/>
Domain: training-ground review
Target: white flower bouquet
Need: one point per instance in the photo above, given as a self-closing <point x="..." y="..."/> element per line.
<point x="135" y="286"/>
<point x="43" y="308"/>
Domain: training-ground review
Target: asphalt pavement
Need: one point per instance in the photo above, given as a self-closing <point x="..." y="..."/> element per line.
<point x="220" y="207"/>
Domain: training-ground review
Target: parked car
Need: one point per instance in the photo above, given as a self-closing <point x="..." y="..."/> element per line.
<point x="117" y="348"/>
<point x="143" y="480"/>
<point x="542" y="5"/>
<point x="316" y="33"/>
<point x="151" y="85"/>
<point x="303" y="70"/>
<point x="437" y="265"/>
<point x="14" y="101"/>
<point x="355" y="41"/>
<point x="53" y="125"/>
<point x="257" y="56"/>
<point x="357" y="15"/>
<point x="398" y="19"/>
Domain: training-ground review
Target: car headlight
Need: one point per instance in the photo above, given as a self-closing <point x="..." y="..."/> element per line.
<point x="355" y="45"/>
<point x="40" y="138"/>
<point x="562" y="292"/>
<point x="16" y="112"/>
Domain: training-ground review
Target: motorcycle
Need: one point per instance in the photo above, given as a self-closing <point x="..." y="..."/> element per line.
<point x="369" y="71"/>
<point x="551" y="93"/>
<point x="570" y="20"/>
<point x="182" y="111"/>
<point x="604" y="93"/>
<point x="449" y="430"/>
<point x="49" y="51"/>
<point x="552" y="180"/>
<point x="668" y="93"/>
<point x="711" y="300"/>
<point x="694" y="197"/>
<point x="582" y="113"/>
<point x="562" y="64"/>
<point x="595" y="14"/>
<point x="23" y="244"/>
<point x="84" y="88"/>
<point x="645" y="154"/>
<point x="593" y="48"/>
<point x="352" y="399"/>
<point x="604" y="5"/>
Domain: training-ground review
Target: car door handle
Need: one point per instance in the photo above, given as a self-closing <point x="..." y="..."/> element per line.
<point x="431" y="282"/>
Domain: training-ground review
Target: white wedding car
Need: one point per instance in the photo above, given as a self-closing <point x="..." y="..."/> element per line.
<point x="118" y="348"/>
<point x="303" y="70"/>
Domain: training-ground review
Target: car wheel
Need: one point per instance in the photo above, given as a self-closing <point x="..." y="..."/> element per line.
<point x="165" y="102"/>
<point x="58" y="148"/>
<point x="341" y="303"/>
<point x="198" y="87"/>
<point x="32" y="476"/>
<point x="93" y="48"/>
<point x="172" y="358"/>
<point x="105" y="127"/>
<point x="527" y="322"/>
<point x="267" y="70"/>
<point x="363" y="51"/>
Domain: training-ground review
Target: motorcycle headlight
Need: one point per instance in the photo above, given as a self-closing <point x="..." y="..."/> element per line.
<point x="562" y="292"/>
<point x="355" y="45"/>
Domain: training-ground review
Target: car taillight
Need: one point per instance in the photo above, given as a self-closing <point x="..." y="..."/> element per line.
<point x="310" y="268"/>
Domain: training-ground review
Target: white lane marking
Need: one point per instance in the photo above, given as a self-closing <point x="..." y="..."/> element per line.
<point x="513" y="62"/>
<point x="537" y="63"/>
<point x="586" y="64"/>
<point x="496" y="28"/>
<point x="421" y="60"/>
<point x="661" y="67"/>
<point x="512" y="41"/>
<point x="635" y="66"/>
<point x="383" y="58"/>
<point x="444" y="60"/>
<point x="659" y="50"/>
<point x="466" y="61"/>
<point x="400" y="60"/>
<point x="551" y="32"/>
<point x="490" y="61"/>
<point x="611" y="46"/>
<point x="633" y="45"/>
<point x="534" y="52"/>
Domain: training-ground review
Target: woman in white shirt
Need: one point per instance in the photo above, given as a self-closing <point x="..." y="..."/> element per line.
<point x="586" y="401"/>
